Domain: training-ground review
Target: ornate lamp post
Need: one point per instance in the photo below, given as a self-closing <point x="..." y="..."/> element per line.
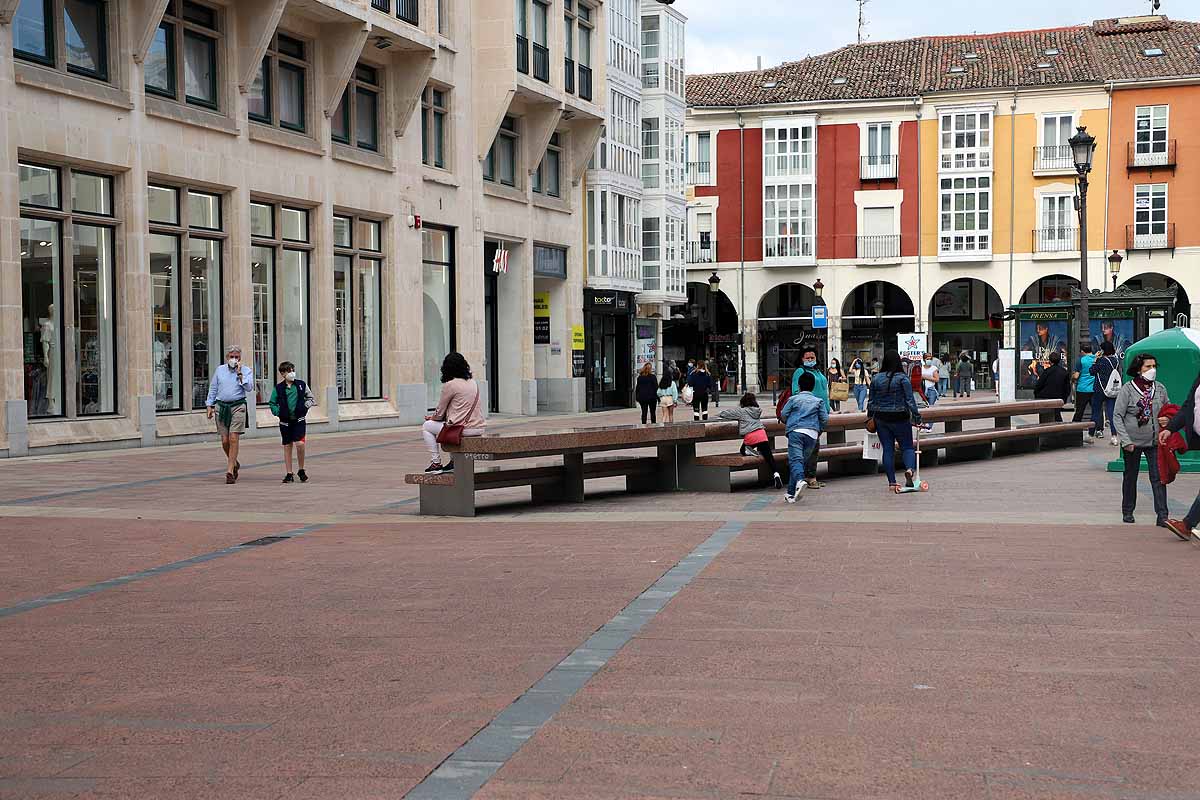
<point x="1114" y="267"/>
<point x="714" y="288"/>
<point x="1083" y="149"/>
<point x="819" y="289"/>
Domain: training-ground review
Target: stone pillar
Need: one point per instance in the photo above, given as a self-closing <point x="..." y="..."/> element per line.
<point x="407" y="294"/>
<point x="12" y="371"/>
<point x="1194" y="316"/>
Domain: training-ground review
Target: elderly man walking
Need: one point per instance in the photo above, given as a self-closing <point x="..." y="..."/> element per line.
<point x="227" y="400"/>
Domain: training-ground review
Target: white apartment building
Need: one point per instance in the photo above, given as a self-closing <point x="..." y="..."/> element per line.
<point x="635" y="201"/>
<point x="326" y="182"/>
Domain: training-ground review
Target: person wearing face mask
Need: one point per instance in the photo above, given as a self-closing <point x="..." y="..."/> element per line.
<point x="820" y="390"/>
<point x="227" y="402"/>
<point x="932" y="379"/>
<point x="1138" y="407"/>
<point x="291" y="401"/>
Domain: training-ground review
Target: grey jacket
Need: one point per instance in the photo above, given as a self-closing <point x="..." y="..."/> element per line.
<point x="1125" y="415"/>
<point x="749" y="418"/>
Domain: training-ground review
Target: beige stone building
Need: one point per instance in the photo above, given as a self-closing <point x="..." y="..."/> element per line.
<point x="321" y="181"/>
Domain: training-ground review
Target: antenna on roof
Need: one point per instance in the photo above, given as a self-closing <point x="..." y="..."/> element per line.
<point x="760" y="63"/>
<point x="1154" y="4"/>
<point x="862" y="17"/>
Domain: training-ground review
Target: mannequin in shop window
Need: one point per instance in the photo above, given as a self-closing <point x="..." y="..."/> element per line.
<point x="49" y="334"/>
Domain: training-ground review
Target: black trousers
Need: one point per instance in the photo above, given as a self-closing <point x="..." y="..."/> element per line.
<point x="700" y="405"/>
<point x="1082" y="401"/>
<point x="1133" y="463"/>
<point x="768" y="453"/>
<point x="648" y="407"/>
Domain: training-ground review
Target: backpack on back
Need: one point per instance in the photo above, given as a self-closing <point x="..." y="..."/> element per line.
<point x="1112" y="386"/>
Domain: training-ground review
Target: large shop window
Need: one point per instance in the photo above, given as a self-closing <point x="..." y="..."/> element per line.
<point x="279" y="258"/>
<point x="437" y="268"/>
<point x="187" y="237"/>
<point x="183" y="55"/>
<point x="965" y="220"/>
<point x="966" y="140"/>
<point x="68" y="289"/>
<point x="81" y="26"/>
<point x="358" y="317"/>
<point x="356" y="120"/>
<point x="278" y="93"/>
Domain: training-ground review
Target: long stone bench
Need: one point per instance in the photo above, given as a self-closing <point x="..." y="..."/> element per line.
<point x="715" y="472"/>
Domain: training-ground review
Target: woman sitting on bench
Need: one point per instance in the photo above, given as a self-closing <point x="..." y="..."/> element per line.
<point x="458" y="405"/>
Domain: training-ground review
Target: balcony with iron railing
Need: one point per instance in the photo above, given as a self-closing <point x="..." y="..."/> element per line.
<point x="1053" y="158"/>
<point x="699" y="173"/>
<point x="702" y="252"/>
<point x="409" y="11"/>
<point x="879" y="247"/>
<point x="1150" y="236"/>
<point x="1056" y="240"/>
<point x="1150" y="155"/>
<point x="879" y="168"/>
<point x="541" y="62"/>
<point x="585" y="82"/>
<point x="522" y="54"/>
<point x="569" y="75"/>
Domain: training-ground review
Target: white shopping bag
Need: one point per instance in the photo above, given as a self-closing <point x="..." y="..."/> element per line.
<point x="872" y="449"/>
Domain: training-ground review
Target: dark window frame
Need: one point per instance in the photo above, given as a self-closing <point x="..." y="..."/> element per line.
<point x="180" y="27"/>
<point x="358" y="251"/>
<point x="277" y="59"/>
<point x="55" y="40"/>
<point x="278" y="244"/>
<point x="366" y="79"/>
<point x="431" y="111"/>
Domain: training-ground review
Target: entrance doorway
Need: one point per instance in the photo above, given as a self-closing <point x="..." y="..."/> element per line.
<point x="785" y="331"/>
<point x="491" y="337"/>
<point x="962" y="321"/>
<point x="608" y="327"/>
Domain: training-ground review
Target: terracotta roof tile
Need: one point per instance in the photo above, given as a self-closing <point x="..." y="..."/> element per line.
<point x="1105" y="50"/>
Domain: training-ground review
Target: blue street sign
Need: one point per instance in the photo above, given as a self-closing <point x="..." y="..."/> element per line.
<point x="820" y="317"/>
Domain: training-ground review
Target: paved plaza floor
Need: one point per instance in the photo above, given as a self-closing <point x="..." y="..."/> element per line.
<point x="1002" y="637"/>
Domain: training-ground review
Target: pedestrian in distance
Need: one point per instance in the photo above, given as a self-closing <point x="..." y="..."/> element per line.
<point x="1085" y="384"/>
<point x="860" y="382"/>
<point x="668" y="398"/>
<point x="702" y="384"/>
<point x="996" y="375"/>
<point x="1186" y="422"/>
<point x="963" y="376"/>
<point x="290" y="401"/>
<point x="1105" y="389"/>
<point x="892" y="407"/>
<point x="808" y="366"/>
<point x="835" y="374"/>
<point x="227" y="401"/>
<point x="1139" y="405"/>
<point x="931" y="379"/>
<point x="1054" y="383"/>
<point x="944" y="367"/>
<point x="748" y="416"/>
<point x="804" y="415"/>
<point x="458" y="406"/>
<point x="646" y="392"/>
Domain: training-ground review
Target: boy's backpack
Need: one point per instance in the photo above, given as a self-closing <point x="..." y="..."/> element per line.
<point x="1112" y="386"/>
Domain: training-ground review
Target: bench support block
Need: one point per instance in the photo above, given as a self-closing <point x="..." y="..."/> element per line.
<point x="969" y="452"/>
<point x="1053" y="441"/>
<point x="453" y="500"/>
<point x="1013" y="447"/>
<point x="696" y="478"/>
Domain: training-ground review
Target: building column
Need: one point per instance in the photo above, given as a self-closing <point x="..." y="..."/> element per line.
<point x="407" y="333"/>
<point x="13" y="435"/>
<point x="1194" y="316"/>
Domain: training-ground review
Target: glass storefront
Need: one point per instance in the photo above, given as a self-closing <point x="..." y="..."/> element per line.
<point x="437" y="268"/>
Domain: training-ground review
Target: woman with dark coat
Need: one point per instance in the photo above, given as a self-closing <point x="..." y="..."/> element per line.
<point x="702" y="384"/>
<point x="646" y="392"/>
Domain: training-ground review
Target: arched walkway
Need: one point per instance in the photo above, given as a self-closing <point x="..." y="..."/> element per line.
<point x="1050" y="289"/>
<point x="869" y="329"/>
<point x="1156" y="280"/>
<point x="784" y="328"/>
<point x="706" y="327"/>
<point x="960" y="321"/>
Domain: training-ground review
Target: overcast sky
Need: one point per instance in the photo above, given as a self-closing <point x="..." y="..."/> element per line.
<point x="724" y="36"/>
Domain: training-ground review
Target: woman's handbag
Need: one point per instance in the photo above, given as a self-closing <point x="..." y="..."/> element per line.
<point x="688" y="394"/>
<point x="839" y="390"/>
<point x="870" y="425"/>
<point x="452" y="434"/>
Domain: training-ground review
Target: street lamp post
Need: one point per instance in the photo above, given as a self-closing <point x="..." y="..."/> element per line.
<point x="1083" y="149"/>
<point x="1114" y="267"/>
<point x="714" y="288"/>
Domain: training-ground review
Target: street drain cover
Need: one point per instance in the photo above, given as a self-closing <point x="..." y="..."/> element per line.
<point x="264" y="541"/>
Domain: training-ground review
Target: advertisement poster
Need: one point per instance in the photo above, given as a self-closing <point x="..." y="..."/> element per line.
<point x="578" y="342"/>
<point x="1117" y="329"/>
<point x="953" y="301"/>
<point x="1040" y="334"/>
<point x="647" y="344"/>
<point x="541" y="318"/>
<point x="912" y="346"/>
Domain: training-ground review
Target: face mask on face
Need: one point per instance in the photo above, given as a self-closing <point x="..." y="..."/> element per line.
<point x="232" y="362"/>
<point x="1149" y="374"/>
<point x="809" y="362"/>
<point x="291" y="376"/>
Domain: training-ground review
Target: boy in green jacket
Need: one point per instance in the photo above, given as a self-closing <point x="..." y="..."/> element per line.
<point x="808" y="361"/>
<point x="290" y="401"/>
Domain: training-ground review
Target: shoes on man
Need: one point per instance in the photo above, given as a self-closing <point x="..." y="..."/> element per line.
<point x="1179" y="528"/>
<point x="288" y="478"/>
<point x="230" y="478"/>
<point x="303" y="476"/>
<point x="1127" y="518"/>
<point x="778" y="481"/>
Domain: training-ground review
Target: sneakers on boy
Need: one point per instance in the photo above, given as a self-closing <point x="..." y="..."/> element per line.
<point x="434" y="466"/>
<point x="288" y="478"/>
<point x="778" y="481"/>
<point x="303" y="476"/>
